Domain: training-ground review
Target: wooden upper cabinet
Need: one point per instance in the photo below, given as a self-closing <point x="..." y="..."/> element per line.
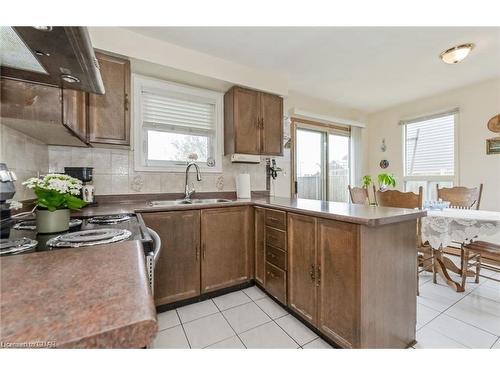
<point x="260" y="256"/>
<point x="302" y="266"/>
<point x="253" y="122"/>
<point x="339" y="281"/>
<point x="109" y="114"/>
<point x="271" y="124"/>
<point x="241" y="121"/>
<point x="74" y="115"/>
<point x="226" y="247"/>
<point x="177" y="272"/>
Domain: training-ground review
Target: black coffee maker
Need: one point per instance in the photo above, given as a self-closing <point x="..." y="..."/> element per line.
<point x="7" y="191"/>
<point x="84" y="174"/>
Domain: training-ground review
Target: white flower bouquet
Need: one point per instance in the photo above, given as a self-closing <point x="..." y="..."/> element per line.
<point x="56" y="191"/>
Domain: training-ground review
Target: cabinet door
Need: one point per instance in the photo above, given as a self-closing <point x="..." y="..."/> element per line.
<point x="74" y="115"/>
<point x="271" y="124"/>
<point x="246" y="121"/>
<point x="302" y="265"/>
<point x="177" y="273"/>
<point x="260" y="262"/>
<point x="338" y="299"/>
<point x="109" y="117"/>
<point x="225" y="241"/>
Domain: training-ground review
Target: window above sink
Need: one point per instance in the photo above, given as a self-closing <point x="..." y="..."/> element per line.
<point x="174" y="124"/>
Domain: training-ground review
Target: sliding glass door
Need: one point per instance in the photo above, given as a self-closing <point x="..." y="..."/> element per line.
<point x="321" y="163"/>
<point x="310" y="164"/>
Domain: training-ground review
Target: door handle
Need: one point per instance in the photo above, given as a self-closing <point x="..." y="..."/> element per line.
<point x="197" y="250"/>
<point x="203" y="251"/>
<point x="312" y="272"/>
<point x="318" y="276"/>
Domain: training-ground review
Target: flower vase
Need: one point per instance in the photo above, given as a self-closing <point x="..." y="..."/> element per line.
<point x="52" y="222"/>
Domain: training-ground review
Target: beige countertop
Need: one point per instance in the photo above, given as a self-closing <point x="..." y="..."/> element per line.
<point x="353" y="213"/>
<point x="95" y="297"/>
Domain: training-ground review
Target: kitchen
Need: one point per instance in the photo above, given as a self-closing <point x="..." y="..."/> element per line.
<point x="217" y="206"/>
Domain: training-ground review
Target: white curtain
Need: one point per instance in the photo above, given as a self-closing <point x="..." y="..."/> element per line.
<point x="356" y="155"/>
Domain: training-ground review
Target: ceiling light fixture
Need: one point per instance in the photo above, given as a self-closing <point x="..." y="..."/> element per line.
<point x="456" y="54"/>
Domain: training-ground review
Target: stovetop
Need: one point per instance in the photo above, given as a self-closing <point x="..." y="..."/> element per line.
<point x="133" y="224"/>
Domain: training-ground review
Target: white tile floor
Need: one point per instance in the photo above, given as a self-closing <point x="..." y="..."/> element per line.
<point x="446" y="319"/>
<point x="250" y="319"/>
<point x="238" y="320"/>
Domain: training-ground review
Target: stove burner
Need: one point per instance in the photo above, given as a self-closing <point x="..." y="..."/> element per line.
<point x="109" y="219"/>
<point x="31" y="224"/>
<point x="89" y="237"/>
<point x="16" y="246"/>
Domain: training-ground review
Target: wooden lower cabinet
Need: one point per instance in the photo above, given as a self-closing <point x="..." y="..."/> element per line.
<point x="226" y="243"/>
<point x="302" y="291"/>
<point x="260" y="245"/>
<point x="177" y="273"/>
<point x="338" y="281"/>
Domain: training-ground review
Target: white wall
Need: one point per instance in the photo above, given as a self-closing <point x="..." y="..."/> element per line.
<point x="477" y="104"/>
<point x="24" y="155"/>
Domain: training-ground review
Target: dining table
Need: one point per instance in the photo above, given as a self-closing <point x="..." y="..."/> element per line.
<point x="454" y="227"/>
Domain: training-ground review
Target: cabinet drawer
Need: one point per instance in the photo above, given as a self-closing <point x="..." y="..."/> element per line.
<point x="276" y="282"/>
<point x="276" y="219"/>
<point x="276" y="238"/>
<point x="276" y="257"/>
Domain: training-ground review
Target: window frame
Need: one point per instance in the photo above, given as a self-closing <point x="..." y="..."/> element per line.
<point x="432" y="179"/>
<point x="140" y="143"/>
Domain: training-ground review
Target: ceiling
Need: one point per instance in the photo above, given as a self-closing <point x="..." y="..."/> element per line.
<point x="367" y="68"/>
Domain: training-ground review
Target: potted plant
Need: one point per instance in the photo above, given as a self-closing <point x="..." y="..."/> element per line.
<point x="56" y="194"/>
<point x="366" y="181"/>
<point x="386" y="180"/>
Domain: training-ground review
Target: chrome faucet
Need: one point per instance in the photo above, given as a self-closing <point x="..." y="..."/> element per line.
<point x="189" y="191"/>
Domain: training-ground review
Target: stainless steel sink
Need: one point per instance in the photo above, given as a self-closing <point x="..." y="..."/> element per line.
<point x="188" y="201"/>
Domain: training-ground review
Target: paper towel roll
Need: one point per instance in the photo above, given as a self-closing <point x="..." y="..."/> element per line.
<point x="243" y="186"/>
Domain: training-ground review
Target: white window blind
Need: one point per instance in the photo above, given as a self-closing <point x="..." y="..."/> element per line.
<point x="176" y="114"/>
<point x="430" y="145"/>
<point x="175" y="124"/>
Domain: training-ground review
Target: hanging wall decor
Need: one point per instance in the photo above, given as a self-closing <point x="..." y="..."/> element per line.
<point x="493" y="144"/>
<point x="384" y="163"/>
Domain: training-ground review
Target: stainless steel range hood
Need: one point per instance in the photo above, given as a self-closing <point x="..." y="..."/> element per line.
<point x="58" y="56"/>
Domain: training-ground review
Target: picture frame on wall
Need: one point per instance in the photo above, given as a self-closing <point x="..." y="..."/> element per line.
<point x="493" y="146"/>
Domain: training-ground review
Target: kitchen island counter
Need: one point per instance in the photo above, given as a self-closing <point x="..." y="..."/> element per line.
<point x="96" y="297"/>
<point x="352" y="213"/>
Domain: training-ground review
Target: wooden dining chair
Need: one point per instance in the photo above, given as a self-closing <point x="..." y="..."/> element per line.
<point x="475" y="251"/>
<point x="358" y="195"/>
<point x="399" y="199"/>
<point x="461" y="196"/>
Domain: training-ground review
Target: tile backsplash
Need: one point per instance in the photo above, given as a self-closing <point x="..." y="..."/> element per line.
<point x="114" y="172"/>
<point x="24" y="155"/>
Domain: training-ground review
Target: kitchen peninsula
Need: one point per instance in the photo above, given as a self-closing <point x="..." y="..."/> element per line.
<point x="347" y="271"/>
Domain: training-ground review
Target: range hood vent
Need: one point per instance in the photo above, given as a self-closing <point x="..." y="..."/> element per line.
<point x="57" y="56"/>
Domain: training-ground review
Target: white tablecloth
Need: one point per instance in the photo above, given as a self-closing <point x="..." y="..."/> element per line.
<point x="441" y="228"/>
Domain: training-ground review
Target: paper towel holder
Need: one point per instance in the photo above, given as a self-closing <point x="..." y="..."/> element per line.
<point x="272" y="169"/>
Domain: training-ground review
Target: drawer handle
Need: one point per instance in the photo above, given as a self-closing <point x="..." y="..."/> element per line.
<point x="273" y="219"/>
<point x="272" y="255"/>
<point x="269" y="273"/>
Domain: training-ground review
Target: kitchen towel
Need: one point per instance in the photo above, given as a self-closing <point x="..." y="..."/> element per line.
<point x="243" y="186"/>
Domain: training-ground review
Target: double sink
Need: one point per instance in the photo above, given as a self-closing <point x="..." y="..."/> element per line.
<point x="187" y="202"/>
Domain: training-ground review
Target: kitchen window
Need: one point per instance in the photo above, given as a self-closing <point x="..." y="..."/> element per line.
<point x="430" y="152"/>
<point x="175" y="124"/>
